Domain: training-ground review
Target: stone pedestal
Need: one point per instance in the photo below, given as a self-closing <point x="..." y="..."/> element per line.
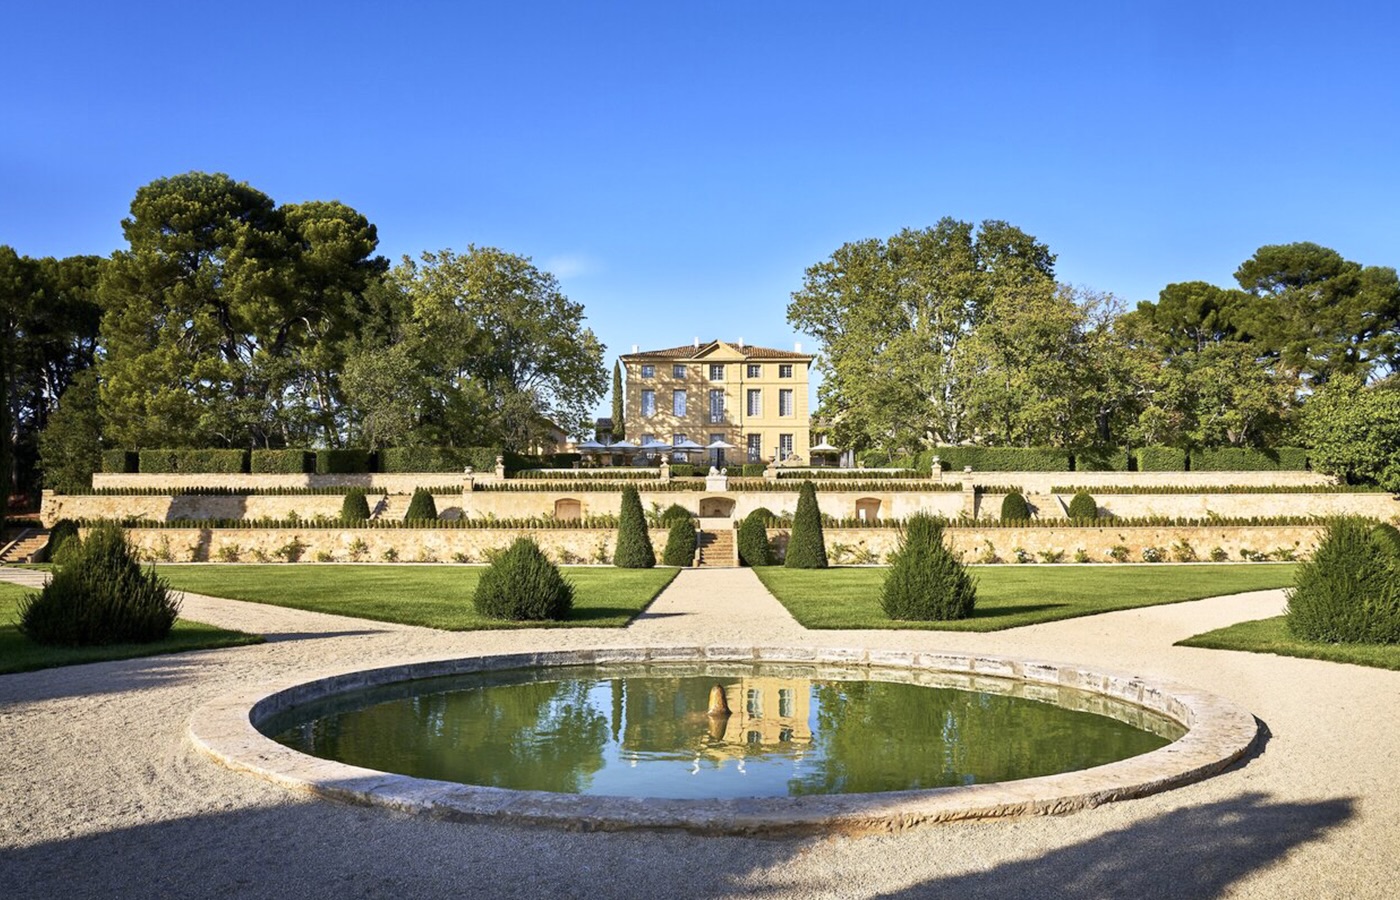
<point x="665" y="476"/>
<point x="716" y="482"/>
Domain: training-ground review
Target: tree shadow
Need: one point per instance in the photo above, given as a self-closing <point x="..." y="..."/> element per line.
<point x="1013" y="609"/>
<point x="275" y="637"/>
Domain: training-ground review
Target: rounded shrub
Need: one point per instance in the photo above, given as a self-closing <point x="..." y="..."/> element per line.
<point x="521" y="584"/>
<point x="64" y="541"/>
<point x="1349" y="591"/>
<point x="1387" y="537"/>
<point x="354" y="508"/>
<point x="1081" y="506"/>
<point x="753" y="539"/>
<point x="634" y="550"/>
<point x="807" y="544"/>
<point x="674" y="513"/>
<point x="1014" y="508"/>
<point x="100" y="596"/>
<point x="421" y="506"/>
<point x="926" y="582"/>
<point x="680" y="543"/>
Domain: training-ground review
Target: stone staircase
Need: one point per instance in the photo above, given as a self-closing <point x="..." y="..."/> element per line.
<point x="716" y="549"/>
<point x="23" y="549"/>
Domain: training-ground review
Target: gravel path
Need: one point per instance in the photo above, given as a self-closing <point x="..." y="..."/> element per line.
<point x="101" y="794"/>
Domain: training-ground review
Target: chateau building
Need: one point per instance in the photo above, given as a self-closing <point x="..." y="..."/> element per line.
<point x="753" y="398"/>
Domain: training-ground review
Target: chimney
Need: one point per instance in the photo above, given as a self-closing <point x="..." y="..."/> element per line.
<point x="797" y="347"/>
<point x="697" y="343"/>
<point x="741" y="343"/>
<point x="635" y="348"/>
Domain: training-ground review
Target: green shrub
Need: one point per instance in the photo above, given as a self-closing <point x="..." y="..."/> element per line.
<point x="64" y="541"/>
<point x="521" y="584"/>
<point x="680" y="543"/>
<point x="421" y="507"/>
<point x="753" y="539"/>
<point x="753" y="470"/>
<point x="807" y="544"/>
<point x="1248" y="459"/>
<point x="1101" y="459"/>
<point x="1160" y="459"/>
<point x="998" y="459"/>
<point x="166" y="462"/>
<point x="1349" y="592"/>
<point x="1014" y="508"/>
<point x="120" y="461"/>
<point x="354" y="461"/>
<point x="683" y="470"/>
<point x="354" y="508"/>
<point x="1386" y="536"/>
<point x="438" y="459"/>
<point x="926" y="582"/>
<point x="634" y="550"/>
<point x="1083" y="506"/>
<point x="101" y="596"/>
<point x="674" y="513"/>
<point x="281" y="462"/>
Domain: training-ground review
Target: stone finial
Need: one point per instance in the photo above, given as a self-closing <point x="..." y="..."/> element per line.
<point x="501" y="467"/>
<point x="936" y="473"/>
<point x="665" y="476"/>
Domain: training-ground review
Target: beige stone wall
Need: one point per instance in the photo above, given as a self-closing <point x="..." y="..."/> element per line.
<point x="393" y="483"/>
<point x="1042" y="482"/>
<point x="252" y="506"/>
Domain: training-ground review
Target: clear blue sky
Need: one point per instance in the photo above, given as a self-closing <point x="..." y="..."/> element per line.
<point x="678" y="165"/>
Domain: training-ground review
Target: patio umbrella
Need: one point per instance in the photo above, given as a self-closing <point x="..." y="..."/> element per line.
<point x="824" y="447"/>
<point x="653" y="444"/>
<point x="623" y="446"/>
<point x="720" y="445"/>
<point x="591" y="446"/>
<point x="688" y="444"/>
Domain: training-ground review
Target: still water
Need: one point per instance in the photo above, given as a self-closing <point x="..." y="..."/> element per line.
<point x="791" y="730"/>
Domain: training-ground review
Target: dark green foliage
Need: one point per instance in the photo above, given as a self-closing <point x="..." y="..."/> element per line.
<point x="64" y="542"/>
<point x="753" y="539"/>
<point x="1014" y="508"/>
<point x="282" y="462"/>
<point x="1248" y="459"/>
<point x="680" y="543"/>
<point x="421" y="507"/>
<point x="1160" y="459"/>
<point x="925" y="581"/>
<point x="807" y="544"/>
<point x="354" y="508"/>
<point x="1083" y="506"/>
<point x="634" y="550"/>
<point x="438" y="459"/>
<point x="165" y="462"/>
<point x="753" y="470"/>
<point x="523" y="585"/>
<point x="1101" y="459"/>
<point x="1349" y="592"/>
<point x="353" y="461"/>
<point x="684" y="470"/>
<point x="1387" y="537"/>
<point x="119" y="462"/>
<point x="101" y="596"/>
<point x="674" y="513"/>
<point x="999" y="459"/>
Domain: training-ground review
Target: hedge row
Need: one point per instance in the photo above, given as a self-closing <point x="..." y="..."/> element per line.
<point x="164" y="462"/>
<point x="1242" y="459"/>
<point x="438" y="459"/>
<point x="282" y="462"/>
<point x="1055" y="459"/>
<point x="331" y="522"/>
<point x="352" y="461"/>
<point x="751" y="486"/>
<point x="1223" y="489"/>
<point x="250" y="492"/>
<point x="121" y="462"/>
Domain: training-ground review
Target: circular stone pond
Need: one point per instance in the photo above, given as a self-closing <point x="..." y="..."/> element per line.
<point x="728" y="740"/>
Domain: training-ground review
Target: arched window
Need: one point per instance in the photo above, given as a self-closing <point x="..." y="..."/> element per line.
<point x="868" y="509"/>
<point x="568" y="509"/>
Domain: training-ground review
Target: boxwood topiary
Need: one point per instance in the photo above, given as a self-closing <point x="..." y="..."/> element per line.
<point x="1349" y="591"/>
<point x="101" y="596"/>
<point x="807" y="544"/>
<point x="753" y="539"/>
<point x="64" y="541"/>
<point x="926" y="582"/>
<point x="634" y="550"/>
<point x="674" y="513"/>
<point x="1014" y="508"/>
<point x="523" y="585"/>
<point x="680" y="543"/>
<point x="421" y="507"/>
<point x="354" y="508"/>
<point x="1083" y="506"/>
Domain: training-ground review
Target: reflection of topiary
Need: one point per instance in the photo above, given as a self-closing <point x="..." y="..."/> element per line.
<point x="1083" y="506"/>
<point x="753" y="539"/>
<point x="807" y="545"/>
<point x="634" y="549"/>
<point x="354" y="508"/>
<point x="1014" y="508"/>
<point x="926" y="582"/>
<point x="522" y="584"/>
<point x="422" y="507"/>
<point x="680" y="543"/>
<point x="1349" y="592"/>
<point x="101" y="596"/>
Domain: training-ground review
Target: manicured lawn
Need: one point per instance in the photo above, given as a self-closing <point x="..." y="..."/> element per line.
<point x="434" y="596"/>
<point x="1271" y="636"/>
<point x="1011" y="596"/>
<point x="19" y="654"/>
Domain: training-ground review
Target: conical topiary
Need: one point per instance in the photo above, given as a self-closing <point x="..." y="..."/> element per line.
<point x="354" y="508"/>
<point x="100" y="596"/>
<point x="522" y="584"/>
<point x="634" y="550"/>
<point x="753" y="539"/>
<point x="926" y="582"/>
<point x="806" y="545"/>
<point x="680" y="543"/>
<point x="421" y="507"/>
<point x="1014" y="508"/>
<point x="1083" y="506"/>
<point x="1349" y="591"/>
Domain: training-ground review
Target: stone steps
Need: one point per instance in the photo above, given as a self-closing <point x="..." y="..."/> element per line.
<point x="30" y="544"/>
<point x="716" y="550"/>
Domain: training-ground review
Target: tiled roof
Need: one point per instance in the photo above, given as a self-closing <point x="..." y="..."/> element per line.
<point x="690" y="351"/>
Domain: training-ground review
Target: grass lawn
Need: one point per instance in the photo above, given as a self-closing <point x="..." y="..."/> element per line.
<point x="19" y="654"/>
<point x="1011" y="596"/>
<point x="1271" y="636"/>
<point x="434" y="596"/>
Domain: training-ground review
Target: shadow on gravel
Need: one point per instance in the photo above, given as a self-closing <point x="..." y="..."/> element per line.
<point x="276" y="637"/>
<point x="309" y="849"/>
<point x="112" y="677"/>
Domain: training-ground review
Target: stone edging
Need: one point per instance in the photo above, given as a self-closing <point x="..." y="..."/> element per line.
<point x="1219" y="733"/>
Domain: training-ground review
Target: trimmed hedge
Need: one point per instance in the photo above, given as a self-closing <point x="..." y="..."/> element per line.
<point x="123" y="462"/>
<point x="998" y="459"/>
<point x="1249" y="459"/>
<point x="438" y="459"/>
<point x="353" y="461"/>
<point x="753" y="539"/>
<point x="1101" y="459"/>
<point x="168" y="462"/>
<point x="634" y="550"/>
<point x="523" y="585"/>
<point x="354" y="509"/>
<point x="806" y="545"/>
<point x="64" y="541"/>
<point x="421" y="507"/>
<point x="282" y="462"/>
<point x="680" y="543"/>
<point x="1160" y="459"/>
<point x="926" y="582"/>
<point x="1349" y="592"/>
<point x="674" y="513"/>
<point x="753" y="470"/>
<point x="1014" y="508"/>
<point x="1083" y="506"/>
